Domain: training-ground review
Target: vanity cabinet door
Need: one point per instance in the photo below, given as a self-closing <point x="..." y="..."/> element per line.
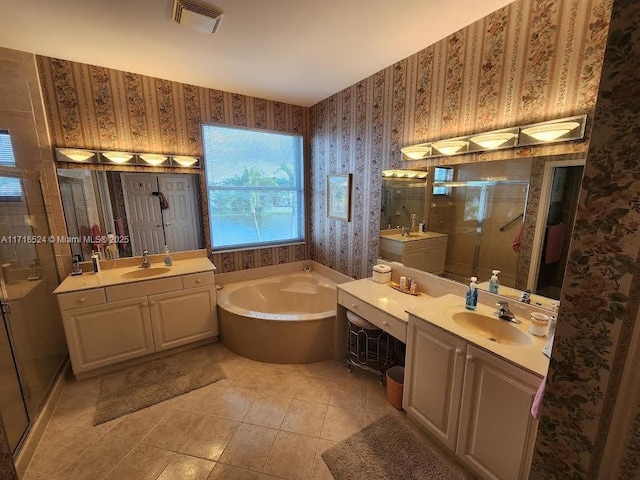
<point x="105" y="334"/>
<point x="497" y="432"/>
<point x="433" y="380"/>
<point x="434" y="258"/>
<point x="183" y="317"/>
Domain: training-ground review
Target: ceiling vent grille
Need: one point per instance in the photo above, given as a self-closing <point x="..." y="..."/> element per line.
<point x="195" y="15"/>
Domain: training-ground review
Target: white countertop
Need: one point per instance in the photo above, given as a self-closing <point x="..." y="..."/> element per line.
<point x="412" y="236"/>
<point x="437" y="312"/>
<point x="109" y="277"/>
<point x="383" y="297"/>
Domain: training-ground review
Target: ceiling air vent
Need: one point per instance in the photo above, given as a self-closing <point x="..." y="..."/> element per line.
<point x="196" y="15"/>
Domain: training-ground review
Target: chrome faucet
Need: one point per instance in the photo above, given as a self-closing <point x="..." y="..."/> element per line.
<point x="504" y="313"/>
<point x="145" y="260"/>
<point x="405" y="231"/>
<point x="525" y="296"/>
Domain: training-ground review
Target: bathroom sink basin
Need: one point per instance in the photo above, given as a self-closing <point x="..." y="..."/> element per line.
<point x="491" y="328"/>
<point x="146" y="272"/>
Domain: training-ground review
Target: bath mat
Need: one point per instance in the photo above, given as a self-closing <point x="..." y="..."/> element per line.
<point x="385" y="450"/>
<point x="143" y="385"/>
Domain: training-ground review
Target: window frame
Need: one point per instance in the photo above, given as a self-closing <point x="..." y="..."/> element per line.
<point x="300" y="189"/>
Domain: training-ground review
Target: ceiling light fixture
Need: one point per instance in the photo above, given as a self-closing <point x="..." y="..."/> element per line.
<point x="416" y="152"/>
<point x="185" y="161"/>
<point x="561" y="130"/>
<point x="154" y="159"/>
<point x="551" y="131"/>
<point x="117" y="157"/>
<point x="491" y="141"/>
<point x="450" y="147"/>
<point x="75" y="154"/>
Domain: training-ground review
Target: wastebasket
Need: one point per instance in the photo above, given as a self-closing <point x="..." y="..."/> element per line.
<point x="395" y="383"/>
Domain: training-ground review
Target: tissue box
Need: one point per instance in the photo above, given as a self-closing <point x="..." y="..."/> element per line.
<point x="381" y="273"/>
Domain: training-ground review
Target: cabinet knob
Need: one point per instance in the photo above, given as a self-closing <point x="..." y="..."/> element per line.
<point x="469" y="358"/>
<point x="198" y="281"/>
<point x="458" y="351"/>
<point x="354" y="306"/>
<point x="81" y="300"/>
<point x="386" y="324"/>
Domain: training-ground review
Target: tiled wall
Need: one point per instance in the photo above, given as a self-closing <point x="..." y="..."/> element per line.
<point x="105" y="109"/>
<point x="600" y="305"/>
<point x="530" y="61"/>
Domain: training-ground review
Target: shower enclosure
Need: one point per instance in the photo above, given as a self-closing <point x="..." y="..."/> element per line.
<point x="32" y="343"/>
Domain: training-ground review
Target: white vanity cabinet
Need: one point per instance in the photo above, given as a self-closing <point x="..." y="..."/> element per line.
<point x="476" y="403"/>
<point x="108" y="333"/>
<point x="178" y="318"/>
<point x="425" y="252"/>
<point x="119" y="322"/>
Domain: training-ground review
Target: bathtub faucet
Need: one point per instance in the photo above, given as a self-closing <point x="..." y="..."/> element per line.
<point x="307" y="269"/>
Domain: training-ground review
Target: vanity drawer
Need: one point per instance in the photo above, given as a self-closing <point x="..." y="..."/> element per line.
<point x="142" y="289"/>
<point x="197" y="279"/>
<point x="390" y="324"/>
<point x="83" y="298"/>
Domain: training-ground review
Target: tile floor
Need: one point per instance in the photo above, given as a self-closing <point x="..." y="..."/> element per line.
<point x="264" y="421"/>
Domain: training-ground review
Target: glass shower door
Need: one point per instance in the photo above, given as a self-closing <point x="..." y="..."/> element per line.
<point x="32" y="325"/>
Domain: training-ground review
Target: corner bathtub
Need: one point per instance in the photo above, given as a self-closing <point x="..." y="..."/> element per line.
<point x="285" y="318"/>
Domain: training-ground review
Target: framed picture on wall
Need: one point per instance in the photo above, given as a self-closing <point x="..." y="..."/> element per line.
<point x="339" y="197"/>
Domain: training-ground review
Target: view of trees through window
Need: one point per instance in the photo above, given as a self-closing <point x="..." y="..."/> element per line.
<point x="254" y="181"/>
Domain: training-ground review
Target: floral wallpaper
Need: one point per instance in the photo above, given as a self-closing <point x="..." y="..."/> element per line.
<point x="600" y="301"/>
<point x="7" y="470"/>
<point x="104" y="109"/>
<point x="530" y="61"/>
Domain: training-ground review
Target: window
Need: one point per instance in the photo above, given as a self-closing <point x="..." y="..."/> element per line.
<point x="255" y="187"/>
<point x="442" y="174"/>
<point x="10" y="188"/>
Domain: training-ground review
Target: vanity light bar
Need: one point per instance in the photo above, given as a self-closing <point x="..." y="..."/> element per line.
<point x="553" y="131"/>
<point x="77" y="155"/>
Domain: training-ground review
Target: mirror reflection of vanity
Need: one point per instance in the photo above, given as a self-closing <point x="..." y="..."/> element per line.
<point x="121" y="214"/>
<point x="513" y="215"/>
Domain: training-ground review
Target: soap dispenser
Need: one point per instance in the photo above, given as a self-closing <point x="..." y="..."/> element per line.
<point x="472" y="294"/>
<point x="167" y="256"/>
<point x="493" y="282"/>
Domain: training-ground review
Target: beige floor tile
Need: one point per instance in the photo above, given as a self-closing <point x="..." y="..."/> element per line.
<point x="377" y="400"/>
<point x="306" y="418"/>
<point x="59" y="446"/>
<point x="184" y="467"/>
<point x="143" y="463"/>
<point x="227" y="472"/>
<point x="339" y="423"/>
<point x="136" y="425"/>
<point x="320" y="471"/>
<point x="210" y="438"/>
<point x="313" y="389"/>
<point x="99" y="459"/>
<point x="173" y="430"/>
<point x="268" y="411"/>
<point x="249" y="447"/>
<point x="264" y="476"/>
<point x="292" y="456"/>
<point x="233" y="404"/>
<point x="349" y="395"/>
<point x="199" y="400"/>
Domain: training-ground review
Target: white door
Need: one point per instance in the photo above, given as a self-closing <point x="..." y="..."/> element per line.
<point x="143" y="213"/>
<point x="433" y="388"/>
<point x="497" y="432"/>
<point x="181" y="224"/>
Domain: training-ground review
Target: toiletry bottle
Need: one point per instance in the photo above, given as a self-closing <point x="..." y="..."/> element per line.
<point x="95" y="262"/>
<point x="167" y="256"/>
<point x="550" y="334"/>
<point x="472" y="294"/>
<point x="493" y="282"/>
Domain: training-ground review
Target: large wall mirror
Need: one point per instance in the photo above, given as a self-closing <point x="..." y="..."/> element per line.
<point x="121" y="214"/>
<point x="514" y="216"/>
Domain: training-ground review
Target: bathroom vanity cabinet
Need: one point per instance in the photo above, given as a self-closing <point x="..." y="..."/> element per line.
<point x="120" y="322"/>
<point x="426" y="251"/>
<point x="477" y="404"/>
